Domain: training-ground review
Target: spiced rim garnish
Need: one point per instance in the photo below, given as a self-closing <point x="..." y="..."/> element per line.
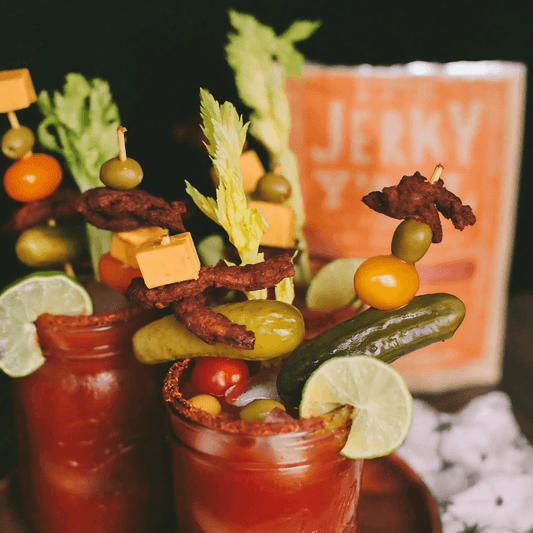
<point x="118" y="211"/>
<point x="416" y="197"/>
<point x="177" y="403"/>
<point x="105" y="318"/>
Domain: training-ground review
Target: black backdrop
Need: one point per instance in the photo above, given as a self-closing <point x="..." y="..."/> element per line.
<point x="156" y="57"/>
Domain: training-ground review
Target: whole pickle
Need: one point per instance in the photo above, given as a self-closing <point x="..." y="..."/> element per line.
<point x="384" y="334"/>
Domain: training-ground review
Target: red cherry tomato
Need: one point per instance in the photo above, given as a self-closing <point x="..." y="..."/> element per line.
<point x="220" y="376"/>
<point x="386" y="282"/>
<point x="33" y="178"/>
<point x="116" y="274"/>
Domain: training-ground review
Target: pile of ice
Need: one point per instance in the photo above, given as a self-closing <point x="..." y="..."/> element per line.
<point x="477" y="463"/>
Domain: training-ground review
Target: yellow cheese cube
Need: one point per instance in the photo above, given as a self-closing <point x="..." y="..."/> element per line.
<point x="16" y="90"/>
<point x="281" y="221"/>
<point x="168" y="260"/>
<point x="124" y="244"/>
<point x="251" y="169"/>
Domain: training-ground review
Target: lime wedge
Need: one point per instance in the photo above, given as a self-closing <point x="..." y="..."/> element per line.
<point x="20" y="305"/>
<point x="332" y="286"/>
<point x="383" y="404"/>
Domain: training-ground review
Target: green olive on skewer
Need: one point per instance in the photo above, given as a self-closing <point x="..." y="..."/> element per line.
<point x="122" y="172"/>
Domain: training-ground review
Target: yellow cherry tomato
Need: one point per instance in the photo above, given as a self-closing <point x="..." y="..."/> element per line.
<point x="386" y="282"/>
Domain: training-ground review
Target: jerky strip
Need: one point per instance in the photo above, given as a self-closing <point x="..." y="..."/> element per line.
<point x="61" y="205"/>
<point x="114" y="210"/>
<point x="209" y="326"/>
<point x="415" y="197"/>
<point x="242" y="278"/>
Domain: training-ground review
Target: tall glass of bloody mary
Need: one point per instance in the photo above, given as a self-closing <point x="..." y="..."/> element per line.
<point x="89" y="427"/>
<point x="255" y="477"/>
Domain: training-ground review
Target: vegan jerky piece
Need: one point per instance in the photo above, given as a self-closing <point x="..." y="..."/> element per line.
<point x="61" y="205"/>
<point x="128" y="210"/>
<point x="209" y="326"/>
<point x="415" y="197"/>
<point x="242" y="278"/>
<point x="187" y="298"/>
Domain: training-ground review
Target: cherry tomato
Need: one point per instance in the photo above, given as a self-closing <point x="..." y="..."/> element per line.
<point x="116" y="274"/>
<point x="220" y="376"/>
<point x="32" y="178"/>
<point x="386" y="282"/>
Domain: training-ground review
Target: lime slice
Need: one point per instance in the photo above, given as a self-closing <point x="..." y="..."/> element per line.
<point x="20" y="305"/>
<point x="332" y="286"/>
<point x="383" y="404"/>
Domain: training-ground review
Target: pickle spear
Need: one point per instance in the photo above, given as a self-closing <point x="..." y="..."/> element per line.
<point x="278" y="328"/>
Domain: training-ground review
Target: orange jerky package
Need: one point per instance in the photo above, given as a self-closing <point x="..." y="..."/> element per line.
<point x="359" y="129"/>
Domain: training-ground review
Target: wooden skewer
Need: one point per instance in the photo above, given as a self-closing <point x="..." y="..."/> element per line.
<point x="436" y="173"/>
<point x="13" y="120"/>
<point x="69" y="271"/>
<point x="121" y="143"/>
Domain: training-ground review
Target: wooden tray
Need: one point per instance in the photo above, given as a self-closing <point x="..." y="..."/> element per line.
<point x="394" y="499"/>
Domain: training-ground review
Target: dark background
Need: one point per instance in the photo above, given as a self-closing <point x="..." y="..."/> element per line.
<point x="156" y="58"/>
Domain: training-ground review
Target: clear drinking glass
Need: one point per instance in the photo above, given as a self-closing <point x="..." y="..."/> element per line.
<point x="90" y="430"/>
<point x="255" y="478"/>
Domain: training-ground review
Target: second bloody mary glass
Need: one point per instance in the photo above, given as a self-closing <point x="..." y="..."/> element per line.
<point x="90" y="431"/>
<point x="243" y="477"/>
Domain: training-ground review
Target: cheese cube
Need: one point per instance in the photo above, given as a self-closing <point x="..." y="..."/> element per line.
<point x="168" y="260"/>
<point x="16" y="90"/>
<point x="124" y="244"/>
<point x="251" y="170"/>
<point x="281" y="221"/>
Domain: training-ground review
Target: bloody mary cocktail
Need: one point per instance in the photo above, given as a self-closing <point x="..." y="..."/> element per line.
<point x="239" y="476"/>
<point x="89" y="425"/>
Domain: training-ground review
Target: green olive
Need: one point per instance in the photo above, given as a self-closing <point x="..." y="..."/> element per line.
<point x="411" y="240"/>
<point x="121" y="175"/>
<point x="278" y="327"/>
<point x="257" y="410"/>
<point x="43" y="246"/>
<point x="206" y="403"/>
<point x="17" y="142"/>
<point x="274" y="188"/>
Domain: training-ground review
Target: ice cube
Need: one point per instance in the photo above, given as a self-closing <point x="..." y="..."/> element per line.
<point x="261" y="386"/>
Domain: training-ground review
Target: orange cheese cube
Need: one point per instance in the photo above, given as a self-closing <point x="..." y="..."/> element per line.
<point x="168" y="260"/>
<point x="251" y="170"/>
<point x="16" y="90"/>
<point x="281" y="221"/>
<point x="124" y="244"/>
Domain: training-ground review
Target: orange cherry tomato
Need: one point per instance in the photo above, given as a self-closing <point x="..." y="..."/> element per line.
<point x="33" y="178"/>
<point x="116" y="274"/>
<point x="386" y="282"/>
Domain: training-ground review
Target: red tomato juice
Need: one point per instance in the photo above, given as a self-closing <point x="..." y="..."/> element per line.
<point x="89" y="427"/>
<point x="240" y="476"/>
